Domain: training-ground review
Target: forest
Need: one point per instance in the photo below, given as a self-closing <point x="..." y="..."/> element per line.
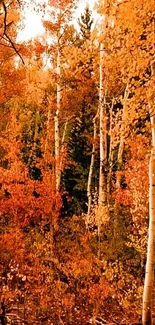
<point x="77" y="164"/>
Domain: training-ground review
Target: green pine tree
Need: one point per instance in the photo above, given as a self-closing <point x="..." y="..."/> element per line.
<point x="85" y="24"/>
<point x="79" y="145"/>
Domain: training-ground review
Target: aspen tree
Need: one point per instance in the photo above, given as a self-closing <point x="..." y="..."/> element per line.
<point x="89" y="193"/>
<point x="56" y="121"/>
<point x="103" y="115"/>
<point x="59" y="142"/>
<point x="149" y="273"/>
<point x="103" y="141"/>
<point x="122" y="136"/>
<point x="110" y="156"/>
<point x="102" y="209"/>
<point x="57" y="27"/>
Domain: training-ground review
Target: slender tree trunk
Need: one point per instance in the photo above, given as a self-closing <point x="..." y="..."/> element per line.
<point x="123" y="134"/>
<point x="103" y="135"/>
<point x="110" y="156"/>
<point x="149" y="274"/>
<point x="62" y="152"/>
<point x="102" y="207"/>
<point x="122" y="137"/>
<point x="59" y="143"/>
<point x="89" y="186"/>
<point x="110" y="132"/>
<point x="56" y="119"/>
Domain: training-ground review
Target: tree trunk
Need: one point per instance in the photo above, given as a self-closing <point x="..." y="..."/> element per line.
<point x="62" y="152"/>
<point x="89" y="192"/>
<point x="103" y="136"/>
<point x="56" y="119"/>
<point x="122" y="137"/>
<point x="110" y="156"/>
<point x="102" y="207"/>
<point x="149" y="274"/>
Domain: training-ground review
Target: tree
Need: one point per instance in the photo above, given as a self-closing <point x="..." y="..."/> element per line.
<point x="103" y="135"/>
<point x="135" y="50"/>
<point x="9" y="19"/>
<point x="85" y="23"/>
<point x="59" y="26"/>
<point x="91" y="168"/>
<point x="149" y="275"/>
<point x="80" y="142"/>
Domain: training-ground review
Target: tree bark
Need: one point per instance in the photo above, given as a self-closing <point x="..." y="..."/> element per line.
<point x="103" y="135"/>
<point x="149" y="274"/>
<point x="62" y="152"/>
<point x="110" y="156"/>
<point x="89" y="192"/>
<point x="56" y="120"/>
<point x="122" y="137"/>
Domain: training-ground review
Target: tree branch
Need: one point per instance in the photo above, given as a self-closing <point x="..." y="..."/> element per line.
<point x="7" y="36"/>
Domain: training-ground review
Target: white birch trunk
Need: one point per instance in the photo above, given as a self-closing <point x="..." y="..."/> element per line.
<point x="110" y="132"/>
<point x="103" y="134"/>
<point x="89" y="193"/>
<point x="61" y="153"/>
<point x="56" y="120"/>
<point x="122" y="136"/>
<point x="149" y="274"/>
<point x="110" y="158"/>
<point x="59" y="143"/>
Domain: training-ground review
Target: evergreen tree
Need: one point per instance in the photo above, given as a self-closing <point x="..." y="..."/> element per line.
<point x="79" y="149"/>
<point x="76" y="177"/>
<point x="85" y="24"/>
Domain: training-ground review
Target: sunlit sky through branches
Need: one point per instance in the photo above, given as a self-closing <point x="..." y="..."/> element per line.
<point x="32" y="20"/>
